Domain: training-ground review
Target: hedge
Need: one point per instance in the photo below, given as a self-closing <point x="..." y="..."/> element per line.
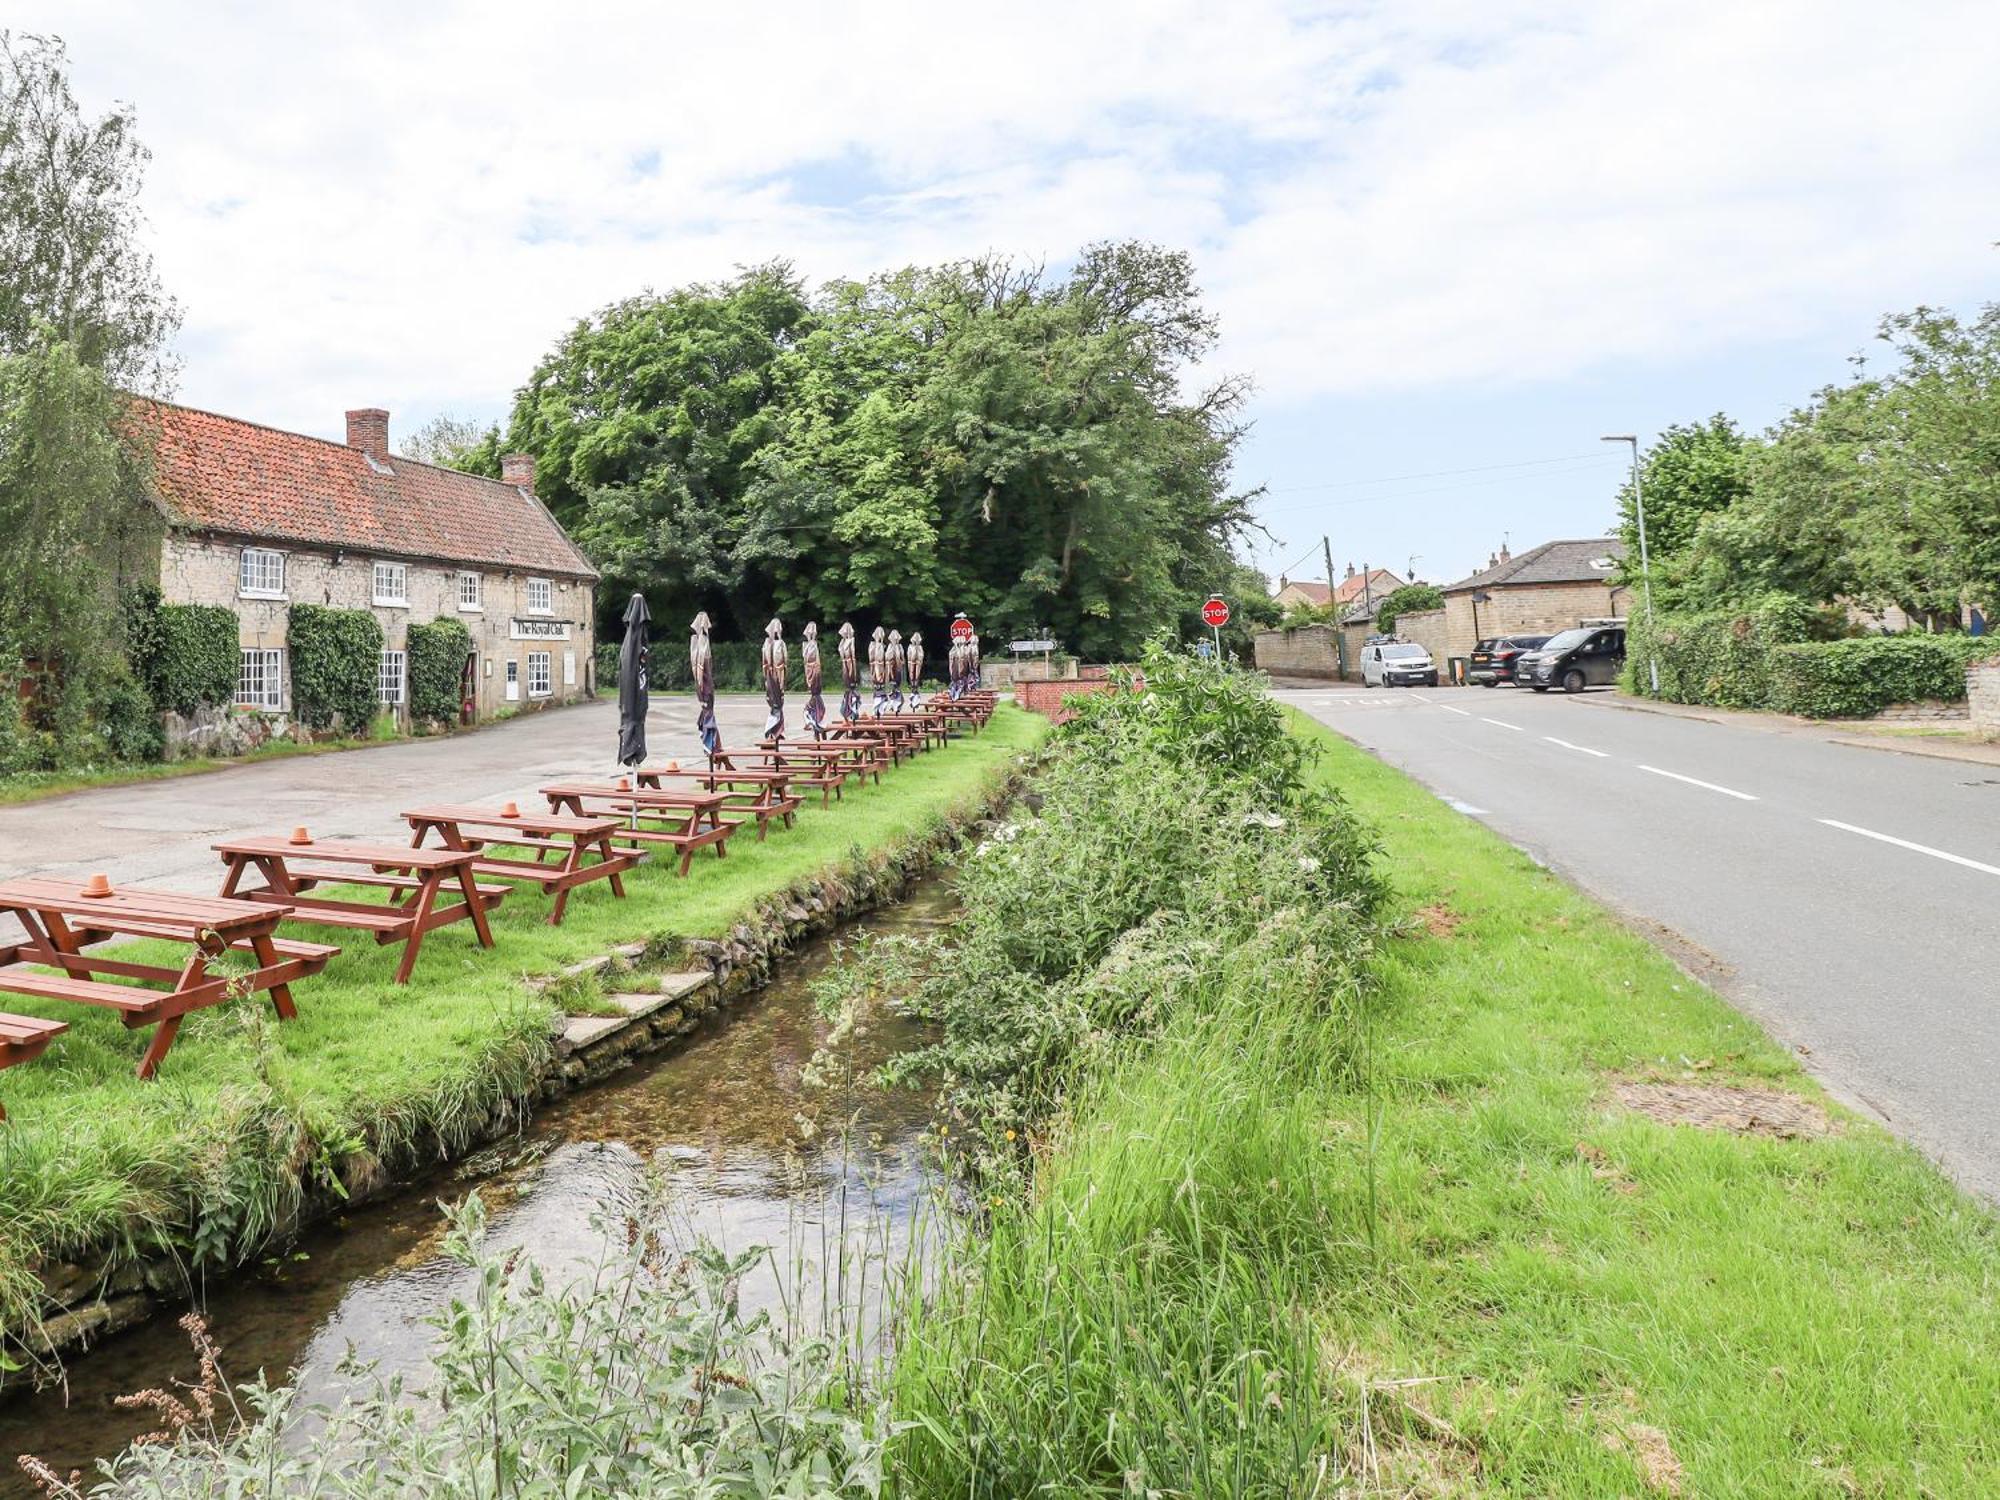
<point x="185" y="655"/>
<point x="1855" y="678"/>
<point x="336" y="659"/>
<point x="739" y="665"/>
<point x="1723" y="657"/>
<point x="437" y="653"/>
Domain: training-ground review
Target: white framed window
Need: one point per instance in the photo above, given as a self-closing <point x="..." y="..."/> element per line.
<point x="392" y="583"/>
<point x="541" y="597"/>
<point x="260" y="574"/>
<point x="538" y="674"/>
<point x="389" y="677"/>
<point x="260" y="679"/>
<point x="469" y="592"/>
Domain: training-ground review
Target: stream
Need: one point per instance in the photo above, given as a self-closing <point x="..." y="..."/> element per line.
<point x="720" y="1114"/>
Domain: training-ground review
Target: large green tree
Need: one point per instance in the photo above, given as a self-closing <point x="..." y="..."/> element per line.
<point x="1692" y="471"/>
<point x="82" y="320"/>
<point x="978" y="436"/>
<point x="1884" y="491"/>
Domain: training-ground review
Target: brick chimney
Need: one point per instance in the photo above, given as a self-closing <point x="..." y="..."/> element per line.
<point x="1350" y="570"/>
<point x="368" y="430"/>
<point x="1505" y="555"/>
<point x="518" y="469"/>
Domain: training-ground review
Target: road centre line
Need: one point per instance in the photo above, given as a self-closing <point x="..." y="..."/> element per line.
<point x="1869" y="833"/>
<point x="1706" y="785"/>
<point x="1583" y="749"/>
<point x="1503" y="724"/>
<point x="1462" y="713"/>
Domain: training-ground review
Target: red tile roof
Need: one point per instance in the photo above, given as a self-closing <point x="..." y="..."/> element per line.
<point x="1315" y="592"/>
<point x="222" y="474"/>
<point x="1375" y="581"/>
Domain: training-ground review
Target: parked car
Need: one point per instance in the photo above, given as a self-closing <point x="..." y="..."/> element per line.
<point x="1493" y="659"/>
<point x="1589" y="656"/>
<point x="1397" y="664"/>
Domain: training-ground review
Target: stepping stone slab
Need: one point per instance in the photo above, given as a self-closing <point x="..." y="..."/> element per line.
<point x="676" y="986"/>
<point x="581" y="1031"/>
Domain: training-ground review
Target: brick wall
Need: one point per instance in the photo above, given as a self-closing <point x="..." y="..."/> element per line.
<point x="199" y="570"/>
<point x="1045" y="695"/>
<point x="1982" y="695"/>
<point x="1308" y="651"/>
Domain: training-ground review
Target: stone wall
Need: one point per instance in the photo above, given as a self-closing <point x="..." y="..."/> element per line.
<point x="1982" y="696"/>
<point x="204" y="570"/>
<point x="1529" y="609"/>
<point x="1307" y="651"/>
<point x="1004" y="672"/>
<point x="1428" y="628"/>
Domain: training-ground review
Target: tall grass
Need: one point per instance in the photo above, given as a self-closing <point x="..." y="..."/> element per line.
<point x="1155" y="983"/>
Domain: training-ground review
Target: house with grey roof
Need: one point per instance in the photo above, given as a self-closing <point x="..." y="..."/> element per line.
<point x="1541" y="591"/>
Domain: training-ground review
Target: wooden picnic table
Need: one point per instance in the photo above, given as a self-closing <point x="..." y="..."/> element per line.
<point x="762" y="794"/>
<point x="929" y="727"/>
<point x="684" y="820"/>
<point x="416" y="880"/>
<point x="826" y="767"/>
<point x="569" y="851"/>
<point x="899" y="741"/>
<point x="61" y="918"/>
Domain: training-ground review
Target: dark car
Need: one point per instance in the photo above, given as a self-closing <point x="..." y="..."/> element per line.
<point x="1589" y="656"/>
<point x="1492" y="661"/>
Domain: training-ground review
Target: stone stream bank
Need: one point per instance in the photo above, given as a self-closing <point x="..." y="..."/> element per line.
<point x="643" y="998"/>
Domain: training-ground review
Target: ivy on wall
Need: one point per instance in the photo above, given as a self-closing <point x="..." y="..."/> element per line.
<point x="185" y="655"/>
<point x="437" y="653"/>
<point x="336" y="659"/>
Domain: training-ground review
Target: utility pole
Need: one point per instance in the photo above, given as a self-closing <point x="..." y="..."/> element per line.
<point x="1326" y="548"/>
<point x="1367" y="594"/>
<point x="1645" y="562"/>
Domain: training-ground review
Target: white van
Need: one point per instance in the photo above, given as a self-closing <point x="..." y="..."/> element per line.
<point x="1397" y="664"/>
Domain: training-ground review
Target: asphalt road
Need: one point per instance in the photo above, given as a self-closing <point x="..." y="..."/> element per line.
<point x="1846" y="899"/>
<point x="159" y="832"/>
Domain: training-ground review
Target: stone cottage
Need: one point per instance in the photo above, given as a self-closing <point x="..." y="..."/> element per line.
<point x="257" y="520"/>
<point x="1544" y="590"/>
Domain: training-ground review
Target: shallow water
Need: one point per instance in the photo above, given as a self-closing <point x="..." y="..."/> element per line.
<point x="721" y="1115"/>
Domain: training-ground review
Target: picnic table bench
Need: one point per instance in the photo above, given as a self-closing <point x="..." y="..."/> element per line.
<point x="23" y="1038"/>
<point x="900" y="742"/>
<point x="683" y="820"/>
<point x="416" y="880"/>
<point x="825" y="767"/>
<point x="762" y="794"/>
<point x="580" y="848"/>
<point x="61" y="918"/>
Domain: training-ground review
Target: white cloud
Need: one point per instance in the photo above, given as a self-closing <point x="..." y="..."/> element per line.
<point x="405" y="205"/>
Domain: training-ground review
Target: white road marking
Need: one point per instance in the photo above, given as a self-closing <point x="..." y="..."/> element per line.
<point x="1869" y="833"/>
<point x="1585" y="749"/>
<point x="1503" y="724"/>
<point x="1414" y="698"/>
<point x="1450" y="710"/>
<point x="1465" y="807"/>
<point x="1705" y="785"/>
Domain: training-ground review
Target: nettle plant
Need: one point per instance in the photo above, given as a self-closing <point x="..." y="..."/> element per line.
<point x="640" y="1378"/>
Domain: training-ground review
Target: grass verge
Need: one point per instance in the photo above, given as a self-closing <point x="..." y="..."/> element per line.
<point x="1243" y="1266"/>
<point x="212" y="1159"/>
<point x="1599" y="1303"/>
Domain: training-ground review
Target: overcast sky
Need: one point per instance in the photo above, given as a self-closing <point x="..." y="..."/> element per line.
<point x="1442" y="237"/>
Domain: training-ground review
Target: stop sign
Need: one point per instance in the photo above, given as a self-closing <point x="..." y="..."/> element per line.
<point x="961" y="629"/>
<point x="1215" y="612"/>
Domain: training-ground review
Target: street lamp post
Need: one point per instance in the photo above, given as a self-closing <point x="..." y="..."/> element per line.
<point x="1645" y="562"/>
